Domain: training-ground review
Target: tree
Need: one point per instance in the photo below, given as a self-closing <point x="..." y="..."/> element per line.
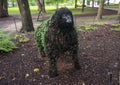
<point x="83" y="5"/>
<point x="27" y="24"/>
<point x="55" y="2"/>
<point x="93" y="3"/>
<point x="119" y="9"/>
<point x="108" y="3"/>
<point x="100" y="10"/>
<point x="75" y="3"/>
<point x="41" y="5"/>
<point x="3" y="8"/>
<point x="12" y="2"/>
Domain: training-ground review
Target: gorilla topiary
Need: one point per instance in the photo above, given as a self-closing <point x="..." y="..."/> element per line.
<point x="59" y="36"/>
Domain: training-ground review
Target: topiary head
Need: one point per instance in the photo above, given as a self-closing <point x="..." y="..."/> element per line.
<point x="62" y="19"/>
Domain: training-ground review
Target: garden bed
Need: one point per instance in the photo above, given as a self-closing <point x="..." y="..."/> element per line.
<point x="98" y="56"/>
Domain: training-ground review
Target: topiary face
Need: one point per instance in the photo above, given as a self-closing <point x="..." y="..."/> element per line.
<point x="63" y="19"/>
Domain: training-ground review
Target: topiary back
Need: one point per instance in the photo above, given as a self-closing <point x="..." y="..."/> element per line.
<point x="40" y="34"/>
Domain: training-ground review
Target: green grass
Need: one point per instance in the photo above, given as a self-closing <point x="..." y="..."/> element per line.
<point x="86" y="10"/>
<point x="112" y="6"/>
<point x="50" y="10"/>
<point x="13" y="10"/>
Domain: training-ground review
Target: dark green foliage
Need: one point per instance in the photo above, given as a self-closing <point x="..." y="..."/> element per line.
<point x="6" y="45"/>
<point x="40" y="34"/>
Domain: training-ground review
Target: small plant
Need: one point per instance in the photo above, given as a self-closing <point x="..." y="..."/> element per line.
<point x="101" y="23"/>
<point x="21" y="38"/>
<point x="115" y="25"/>
<point x="86" y="27"/>
<point x="116" y="29"/>
<point x="6" y="44"/>
<point x="89" y="27"/>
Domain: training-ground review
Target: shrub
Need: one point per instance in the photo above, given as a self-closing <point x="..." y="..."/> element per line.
<point x="86" y="28"/>
<point x="6" y="44"/>
<point x="116" y="29"/>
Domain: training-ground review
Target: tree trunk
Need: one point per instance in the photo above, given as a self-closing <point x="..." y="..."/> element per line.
<point x="13" y="3"/>
<point x="119" y="9"/>
<point x="119" y="12"/>
<point x="108" y="3"/>
<point x="27" y="24"/>
<point x="41" y="5"/>
<point x="57" y="4"/>
<point x="83" y="5"/>
<point x="3" y="8"/>
<point x="75" y="3"/>
<point x="92" y="3"/>
<point x="100" y="10"/>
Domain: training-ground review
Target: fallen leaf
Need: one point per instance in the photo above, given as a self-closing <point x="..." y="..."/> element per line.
<point x="88" y="46"/>
<point x="2" y="77"/>
<point x="83" y="83"/>
<point x="22" y="54"/>
<point x="27" y="75"/>
<point x="13" y="79"/>
<point x="36" y="70"/>
<point x="34" y="79"/>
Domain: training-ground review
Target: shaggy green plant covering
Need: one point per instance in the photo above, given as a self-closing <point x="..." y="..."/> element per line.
<point x="6" y="44"/>
<point x="40" y="34"/>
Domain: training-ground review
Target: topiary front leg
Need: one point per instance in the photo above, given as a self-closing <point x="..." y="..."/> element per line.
<point x="53" y="67"/>
<point x="76" y="60"/>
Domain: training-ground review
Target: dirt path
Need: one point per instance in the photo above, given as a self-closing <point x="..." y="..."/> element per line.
<point x="13" y="23"/>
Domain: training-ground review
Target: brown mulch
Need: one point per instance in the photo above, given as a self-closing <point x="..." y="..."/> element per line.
<point x="98" y="56"/>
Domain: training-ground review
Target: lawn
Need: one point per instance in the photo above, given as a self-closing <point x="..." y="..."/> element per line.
<point x="112" y="6"/>
<point x="51" y="9"/>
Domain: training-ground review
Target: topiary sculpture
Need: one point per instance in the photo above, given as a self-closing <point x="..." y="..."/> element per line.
<point x="59" y="36"/>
